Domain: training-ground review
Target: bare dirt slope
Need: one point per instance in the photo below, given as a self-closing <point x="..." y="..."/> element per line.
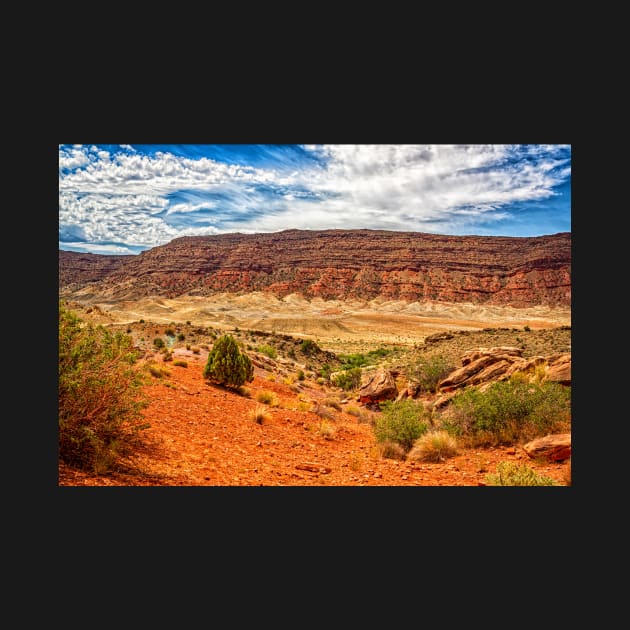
<point x="200" y="435"/>
<point x="340" y="325"/>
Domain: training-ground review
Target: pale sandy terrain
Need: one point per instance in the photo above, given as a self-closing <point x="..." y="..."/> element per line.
<point x="347" y="325"/>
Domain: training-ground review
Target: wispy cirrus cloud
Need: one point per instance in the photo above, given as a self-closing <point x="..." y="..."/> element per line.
<point x="138" y="196"/>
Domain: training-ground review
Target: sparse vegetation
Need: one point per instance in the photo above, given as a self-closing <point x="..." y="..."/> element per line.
<point x="260" y="414"/>
<point x="227" y="365"/>
<point x="428" y="371"/>
<point x="358" y="360"/>
<point x="308" y="346"/>
<point x="157" y="371"/>
<point x="323" y="411"/>
<point x="512" y="474"/>
<point x="100" y="401"/>
<point x="267" y="397"/>
<point x="246" y="392"/>
<point x="348" y="379"/>
<point x="158" y="342"/>
<point x="332" y="402"/>
<point x="391" y="450"/>
<point x="180" y="363"/>
<point x="268" y="350"/>
<point x="326" y="430"/>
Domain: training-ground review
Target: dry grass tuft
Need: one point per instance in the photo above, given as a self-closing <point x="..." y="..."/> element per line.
<point x="436" y="446"/>
<point x="267" y="397"/>
<point x="260" y="414"/>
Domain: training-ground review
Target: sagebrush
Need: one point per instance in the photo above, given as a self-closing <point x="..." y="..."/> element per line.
<point x="100" y="401"/>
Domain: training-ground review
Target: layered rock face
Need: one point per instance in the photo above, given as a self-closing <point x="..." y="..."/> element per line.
<point x="76" y="269"/>
<point x="339" y="264"/>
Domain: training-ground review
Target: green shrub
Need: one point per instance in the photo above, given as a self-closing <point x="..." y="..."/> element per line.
<point x="512" y="474"/>
<point x="402" y="422"/>
<point x="300" y="375"/>
<point x="429" y="371"/>
<point x="324" y="372"/>
<point x="180" y="363"/>
<point x="227" y="365"/>
<point x="509" y="411"/>
<point x="348" y="379"/>
<point x="181" y="337"/>
<point x="349" y="361"/>
<point x="309" y="347"/>
<point x="100" y="403"/>
<point x="169" y="332"/>
<point x="268" y="350"/>
<point x="158" y="342"/>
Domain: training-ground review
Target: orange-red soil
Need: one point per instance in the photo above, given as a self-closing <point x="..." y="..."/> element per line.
<point x="200" y="435"/>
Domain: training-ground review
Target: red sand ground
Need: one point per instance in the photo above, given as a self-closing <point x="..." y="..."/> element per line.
<point x="200" y="435"/>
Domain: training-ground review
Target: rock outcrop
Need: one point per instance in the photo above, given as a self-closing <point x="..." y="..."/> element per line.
<point x="376" y="387"/>
<point x="337" y="264"/>
<point x="555" y="447"/>
<point x="77" y="270"/>
<point x="485" y="365"/>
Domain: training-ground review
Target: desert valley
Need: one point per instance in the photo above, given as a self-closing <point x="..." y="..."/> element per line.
<point x="347" y="332"/>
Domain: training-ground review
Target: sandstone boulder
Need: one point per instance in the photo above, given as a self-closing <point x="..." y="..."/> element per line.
<point x="555" y="447"/>
<point x="559" y="369"/>
<point x="377" y="387"/>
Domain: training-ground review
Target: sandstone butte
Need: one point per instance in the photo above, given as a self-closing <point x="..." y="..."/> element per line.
<point x="337" y="264"/>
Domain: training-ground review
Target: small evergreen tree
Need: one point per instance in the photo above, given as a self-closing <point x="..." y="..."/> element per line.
<point x="227" y="365"/>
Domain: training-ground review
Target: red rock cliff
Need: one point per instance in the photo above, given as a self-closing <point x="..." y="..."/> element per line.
<point x="411" y="266"/>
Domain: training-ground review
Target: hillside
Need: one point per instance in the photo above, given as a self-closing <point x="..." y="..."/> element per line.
<point x="314" y="434"/>
<point x="334" y="264"/>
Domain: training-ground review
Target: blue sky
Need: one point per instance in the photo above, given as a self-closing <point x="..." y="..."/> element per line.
<point x="124" y="199"/>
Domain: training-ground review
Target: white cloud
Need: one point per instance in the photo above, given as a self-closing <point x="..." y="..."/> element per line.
<point x="134" y="198"/>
